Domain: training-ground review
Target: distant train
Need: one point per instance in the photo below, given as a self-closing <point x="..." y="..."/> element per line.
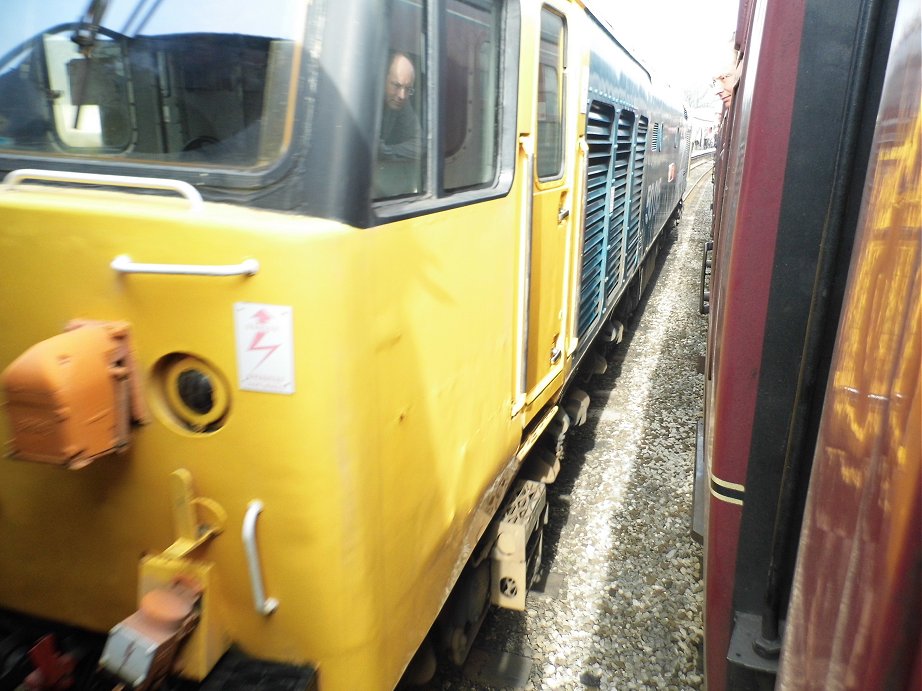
<point x="294" y="296"/>
<point x="811" y="438"/>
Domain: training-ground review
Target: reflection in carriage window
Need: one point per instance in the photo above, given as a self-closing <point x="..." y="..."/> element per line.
<point x="550" y="96"/>
<point x="178" y="83"/>
<point x="401" y="154"/>
<point x="470" y="84"/>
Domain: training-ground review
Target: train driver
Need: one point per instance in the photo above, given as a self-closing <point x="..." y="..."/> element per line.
<point x="400" y="131"/>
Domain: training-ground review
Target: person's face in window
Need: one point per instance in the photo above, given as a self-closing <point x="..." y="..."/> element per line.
<point x="723" y="86"/>
<point x="400" y="79"/>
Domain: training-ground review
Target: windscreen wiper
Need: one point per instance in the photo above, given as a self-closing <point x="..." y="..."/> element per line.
<point x="85" y="35"/>
<point x="85" y="38"/>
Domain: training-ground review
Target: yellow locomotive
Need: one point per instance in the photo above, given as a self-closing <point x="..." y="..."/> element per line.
<point x="290" y="292"/>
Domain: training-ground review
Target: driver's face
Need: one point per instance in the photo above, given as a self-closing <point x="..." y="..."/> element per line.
<point x="400" y="79"/>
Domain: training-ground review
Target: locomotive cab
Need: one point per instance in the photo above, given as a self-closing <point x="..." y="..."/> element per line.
<point x="336" y="366"/>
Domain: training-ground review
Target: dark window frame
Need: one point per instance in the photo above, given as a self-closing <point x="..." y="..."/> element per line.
<point x="435" y="197"/>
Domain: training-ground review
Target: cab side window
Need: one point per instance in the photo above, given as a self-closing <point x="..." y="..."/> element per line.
<point x="401" y="152"/>
<point x="461" y="92"/>
<point x="550" y="95"/>
<point x="470" y="86"/>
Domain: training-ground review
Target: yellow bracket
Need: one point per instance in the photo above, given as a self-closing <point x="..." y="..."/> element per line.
<point x="197" y="519"/>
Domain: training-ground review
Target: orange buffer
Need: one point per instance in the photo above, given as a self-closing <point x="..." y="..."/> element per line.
<point x="73" y="397"/>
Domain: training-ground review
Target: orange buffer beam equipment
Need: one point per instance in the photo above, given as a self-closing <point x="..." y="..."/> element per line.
<point x="73" y="397"/>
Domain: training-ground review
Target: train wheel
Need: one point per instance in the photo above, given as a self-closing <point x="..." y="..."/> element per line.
<point x="464" y="612"/>
<point x="422" y="667"/>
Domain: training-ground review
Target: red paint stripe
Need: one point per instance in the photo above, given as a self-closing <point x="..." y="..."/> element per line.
<point x="755" y="182"/>
<point x="720" y="552"/>
<point x="762" y="149"/>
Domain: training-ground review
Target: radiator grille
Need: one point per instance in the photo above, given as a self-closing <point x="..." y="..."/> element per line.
<point x="632" y="255"/>
<point x="599" y="128"/>
<point x="620" y="179"/>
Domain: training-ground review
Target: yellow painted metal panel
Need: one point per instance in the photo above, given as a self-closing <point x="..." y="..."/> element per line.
<point x="552" y="230"/>
<point x="370" y="472"/>
<point x="547" y="285"/>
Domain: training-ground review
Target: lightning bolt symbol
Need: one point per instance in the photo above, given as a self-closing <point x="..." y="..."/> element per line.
<point x="255" y="346"/>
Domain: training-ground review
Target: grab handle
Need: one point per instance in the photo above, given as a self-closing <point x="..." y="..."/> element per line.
<point x="183" y="189"/>
<point x="264" y="605"/>
<point x="124" y="264"/>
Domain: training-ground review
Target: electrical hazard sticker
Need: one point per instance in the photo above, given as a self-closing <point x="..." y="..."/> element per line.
<point x="265" y="347"/>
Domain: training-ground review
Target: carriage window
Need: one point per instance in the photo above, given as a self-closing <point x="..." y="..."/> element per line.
<point x="401" y="154"/>
<point x="470" y="83"/>
<point x="550" y="95"/>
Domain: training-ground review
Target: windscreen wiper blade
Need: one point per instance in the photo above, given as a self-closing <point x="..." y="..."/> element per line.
<point x="85" y="38"/>
<point x="85" y="35"/>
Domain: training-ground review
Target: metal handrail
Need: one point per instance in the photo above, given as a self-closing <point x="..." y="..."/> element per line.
<point x="184" y="189"/>
<point x="264" y="605"/>
<point x="124" y="264"/>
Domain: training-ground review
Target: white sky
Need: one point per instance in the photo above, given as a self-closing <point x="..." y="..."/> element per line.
<point x="267" y="18"/>
<point x="684" y="42"/>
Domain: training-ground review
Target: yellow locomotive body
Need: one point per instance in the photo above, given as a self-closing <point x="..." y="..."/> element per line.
<point x="393" y="399"/>
<point x="330" y="407"/>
